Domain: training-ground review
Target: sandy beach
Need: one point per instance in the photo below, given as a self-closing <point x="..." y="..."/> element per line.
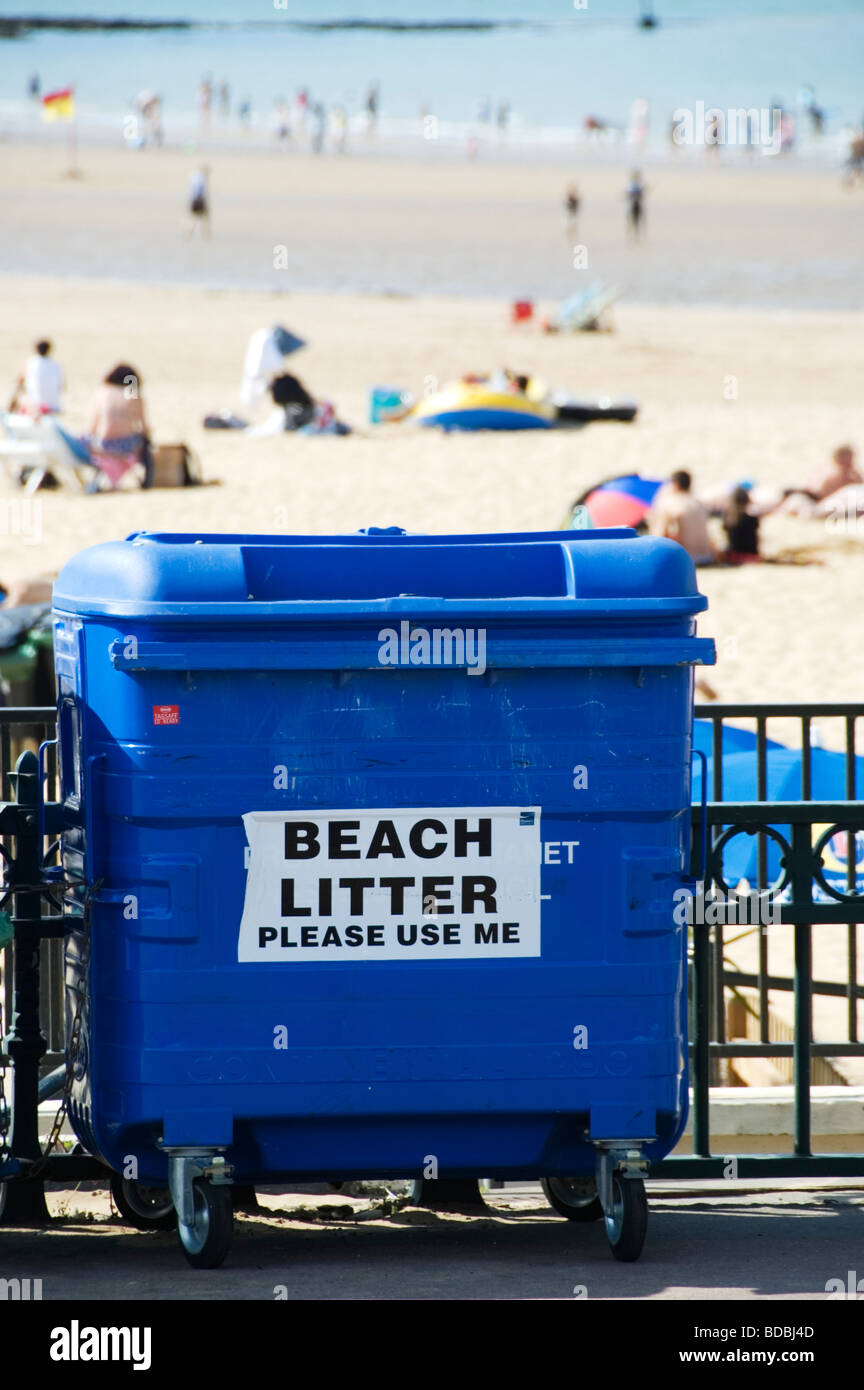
<point x="784" y="632"/>
<point x="762" y="392"/>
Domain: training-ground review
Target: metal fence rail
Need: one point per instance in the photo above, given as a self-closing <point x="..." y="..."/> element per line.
<point x="21" y="729"/>
<point x="802" y="830"/>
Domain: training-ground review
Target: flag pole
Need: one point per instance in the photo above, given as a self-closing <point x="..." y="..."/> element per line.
<point x="73" y="171"/>
<point x="60" y="106"/>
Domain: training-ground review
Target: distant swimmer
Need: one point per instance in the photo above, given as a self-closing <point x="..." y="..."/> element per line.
<point x="205" y="100"/>
<point x="317" y="126"/>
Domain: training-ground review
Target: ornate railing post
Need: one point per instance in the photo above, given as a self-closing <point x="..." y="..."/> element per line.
<point x="26" y="1043"/>
<point x="803" y="860"/>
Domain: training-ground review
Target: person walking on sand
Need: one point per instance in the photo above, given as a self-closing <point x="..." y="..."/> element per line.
<point x="199" y="202"/>
<point x="572" y="203"/>
<point x="635" y="196"/>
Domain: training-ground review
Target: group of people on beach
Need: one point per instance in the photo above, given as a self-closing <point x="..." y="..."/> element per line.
<point x="305" y="121"/>
<point x="634" y="195"/>
<point x="680" y="515"/>
<point x="118" y="434"/>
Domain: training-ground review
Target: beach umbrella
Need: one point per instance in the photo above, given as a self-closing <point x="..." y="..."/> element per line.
<point x="286" y="342"/>
<point x="624" y="501"/>
<point x="783" y="783"/>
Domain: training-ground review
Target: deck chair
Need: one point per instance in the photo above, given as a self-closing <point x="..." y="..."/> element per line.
<point x="42" y="447"/>
<point x="583" y="312"/>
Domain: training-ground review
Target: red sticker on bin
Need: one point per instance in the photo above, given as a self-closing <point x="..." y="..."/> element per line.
<point x="166" y="714"/>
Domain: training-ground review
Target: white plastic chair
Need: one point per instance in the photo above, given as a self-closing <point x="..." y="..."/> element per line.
<point x="39" y="446"/>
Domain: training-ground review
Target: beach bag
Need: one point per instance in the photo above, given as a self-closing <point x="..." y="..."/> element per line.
<point x="175" y="465"/>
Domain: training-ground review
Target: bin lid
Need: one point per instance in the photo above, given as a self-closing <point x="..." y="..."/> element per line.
<point x="600" y="574"/>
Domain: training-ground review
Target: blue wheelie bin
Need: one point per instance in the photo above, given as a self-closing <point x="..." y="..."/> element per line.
<point x="373" y="843"/>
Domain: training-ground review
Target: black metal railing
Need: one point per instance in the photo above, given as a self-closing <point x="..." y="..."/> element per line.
<point x="21" y="729"/>
<point x="33" y="1030"/>
<point x="799" y="831"/>
<point x="804" y="899"/>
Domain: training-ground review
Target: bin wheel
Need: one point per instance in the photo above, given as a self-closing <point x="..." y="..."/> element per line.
<point x="205" y="1243"/>
<point x="144" y="1207"/>
<point x="627" y="1218"/>
<point x="575" y="1198"/>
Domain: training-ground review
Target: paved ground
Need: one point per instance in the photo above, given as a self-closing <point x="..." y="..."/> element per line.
<point x="723" y="1242"/>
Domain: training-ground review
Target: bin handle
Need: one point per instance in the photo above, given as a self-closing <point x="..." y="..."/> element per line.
<point x="40" y="790"/>
<point x="90" y="783"/>
<point x="703" y="821"/>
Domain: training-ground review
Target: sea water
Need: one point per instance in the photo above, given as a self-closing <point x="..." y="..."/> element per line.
<point x="549" y="63"/>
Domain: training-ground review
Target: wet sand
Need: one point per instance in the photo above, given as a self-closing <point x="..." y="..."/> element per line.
<point x="765" y="233"/>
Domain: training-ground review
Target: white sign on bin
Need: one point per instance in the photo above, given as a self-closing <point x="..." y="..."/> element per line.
<point x="429" y="884"/>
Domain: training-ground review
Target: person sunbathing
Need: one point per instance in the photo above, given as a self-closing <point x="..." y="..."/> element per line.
<point x="742" y="529"/>
<point x="291" y="396"/>
<point x="118" y="423"/>
<point x="681" y="517"/>
<point x="841" y="472"/>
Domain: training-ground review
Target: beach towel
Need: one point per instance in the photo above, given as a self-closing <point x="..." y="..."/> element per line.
<point x="79" y="447"/>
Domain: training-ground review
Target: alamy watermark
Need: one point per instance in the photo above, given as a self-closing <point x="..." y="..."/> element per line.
<point x="21" y="518"/>
<point x="713" y="909"/>
<point x="748" y="127"/>
<point x="851" y="1288"/>
<point x="844" y="515"/>
<point x="437" y="646"/>
<point x="20" y="1290"/>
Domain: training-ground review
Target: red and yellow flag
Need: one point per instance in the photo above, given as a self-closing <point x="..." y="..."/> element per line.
<point x="59" y="106"/>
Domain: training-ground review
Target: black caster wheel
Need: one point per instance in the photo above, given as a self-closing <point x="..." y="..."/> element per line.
<point x="575" y="1198"/>
<point x="205" y="1243"/>
<point x="146" y="1208"/>
<point x="627" y="1218"/>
